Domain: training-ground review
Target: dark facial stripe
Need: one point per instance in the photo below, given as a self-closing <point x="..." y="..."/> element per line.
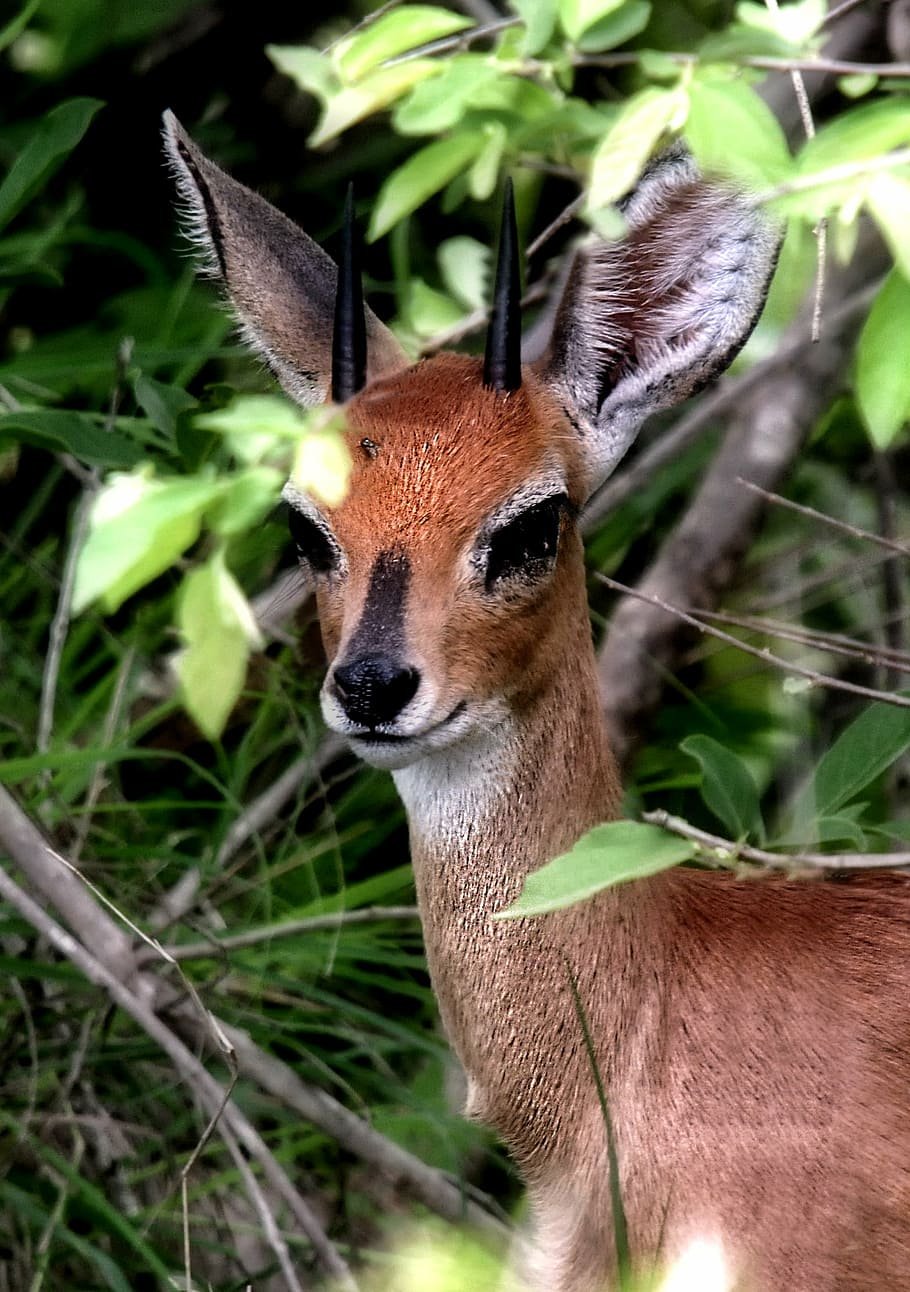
<point x="381" y="624"/>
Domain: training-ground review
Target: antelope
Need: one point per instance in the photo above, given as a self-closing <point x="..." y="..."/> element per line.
<point x="751" y="1037"/>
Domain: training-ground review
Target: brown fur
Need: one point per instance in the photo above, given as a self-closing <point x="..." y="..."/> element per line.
<point x="752" y="1035"/>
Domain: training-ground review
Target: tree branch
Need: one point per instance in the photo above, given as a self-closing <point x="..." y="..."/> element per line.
<point x="731" y="851"/>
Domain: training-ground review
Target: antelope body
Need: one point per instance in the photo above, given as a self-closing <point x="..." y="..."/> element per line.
<point x="753" y="1038"/>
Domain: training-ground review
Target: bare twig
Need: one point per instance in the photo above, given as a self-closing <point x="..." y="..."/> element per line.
<point x="214" y="947"/>
<point x="763" y="62"/>
<point x="833" y="643"/>
<point x="834" y="175"/>
<point x="889" y="544"/>
<point x="566" y="214"/>
<point x="729" y="850"/>
<point x="460" y="41"/>
<point x="810" y="674"/>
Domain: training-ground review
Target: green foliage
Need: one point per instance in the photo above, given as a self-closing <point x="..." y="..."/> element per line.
<point x="607" y="855"/>
<point x="883" y="362"/>
<point x="727" y="787"/>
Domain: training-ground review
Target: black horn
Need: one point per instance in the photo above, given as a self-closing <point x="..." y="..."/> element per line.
<point x="349" y="338"/>
<point x="502" y="360"/>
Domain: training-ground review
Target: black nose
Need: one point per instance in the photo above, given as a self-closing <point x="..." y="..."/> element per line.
<point x="374" y="688"/>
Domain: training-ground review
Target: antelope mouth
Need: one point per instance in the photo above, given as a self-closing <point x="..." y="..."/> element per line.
<point x="372" y="737"/>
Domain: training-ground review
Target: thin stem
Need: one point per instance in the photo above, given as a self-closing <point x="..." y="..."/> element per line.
<point x="889" y="544"/>
<point x="811" y="674"/>
<point x="213" y="946"/>
<point x="835" y="66"/>
<point x="735" y="851"/>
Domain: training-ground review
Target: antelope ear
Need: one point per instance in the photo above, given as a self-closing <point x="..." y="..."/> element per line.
<point x="647" y="321"/>
<point x="280" y="283"/>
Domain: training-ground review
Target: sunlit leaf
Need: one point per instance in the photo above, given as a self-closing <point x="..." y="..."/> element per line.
<point x="888" y="198"/>
<point x="322" y="463"/>
<point x="576" y="16"/>
<point x="376" y="91"/>
<point x="731" y="130"/>
<point x="429" y="311"/>
<point x="483" y="176"/>
<point x="218" y="627"/>
<point x="139" y="526"/>
<point x="621" y="157"/>
<point x="795" y="22"/>
<point x="245" y="501"/>
<point x="883" y="362"/>
<point x="309" y="68"/>
<point x="540" y="20"/>
<point x="617" y="27"/>
<point x="607" y="855"/>
<point x="394" y="33"/>
<point x="422" y="175"/>
<point x="440" y="103"/>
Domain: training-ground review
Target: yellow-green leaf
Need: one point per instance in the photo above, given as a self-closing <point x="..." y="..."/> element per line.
<point x="888" y="198"/>
<point x="394" y="33"/>
<point x="218" y="627"/>
<point x="376" y="91"/>
<point x="627" y="145"/>
<point x="607" y="855"/>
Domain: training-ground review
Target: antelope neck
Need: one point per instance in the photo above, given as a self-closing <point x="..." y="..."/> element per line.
<point x="481" y="818"/>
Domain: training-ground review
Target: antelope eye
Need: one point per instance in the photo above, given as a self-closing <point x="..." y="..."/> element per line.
<point x="527" y="545"/>
<point x="313" y="545"/>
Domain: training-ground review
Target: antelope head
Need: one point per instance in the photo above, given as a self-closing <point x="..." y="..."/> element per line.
<point x="445" y="576"/>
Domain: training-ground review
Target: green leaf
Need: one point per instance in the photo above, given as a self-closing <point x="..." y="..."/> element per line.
<point x="794" y="23"/>
<point x="245" y="502"/>
<point x="394" y="33"/>
<point x="218" y="626"/>
<point x="309" y="68"/>
<point x="727" y="787"/>
<point x="376" y="91"/>
<point x="539" y="17"/>
<point x="77" y="433"/>
<point x="883" y="362"/>
<point x="429" y="311"/>
<point x="860" y="754"/>
<point x="627" y="145"/>
<point x="732" y="131"/>
<point x="57" y="134"/>
<point x="138" y="528"/>
<point x="868" y="131"/>
<point x="576" y="16"/>
<point x="422" y="175"/>
<point x="888" y="198"/>
<point x="483" y="177"/>
<point x="616" y="28"/>
<point x="322" y="463"/>
<point x="162" y="404"/>
<point x="465" y="266"/>
<point x="607" y="855"/>
<point x="440" y="103"/>
<point x="857" y="85"/>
